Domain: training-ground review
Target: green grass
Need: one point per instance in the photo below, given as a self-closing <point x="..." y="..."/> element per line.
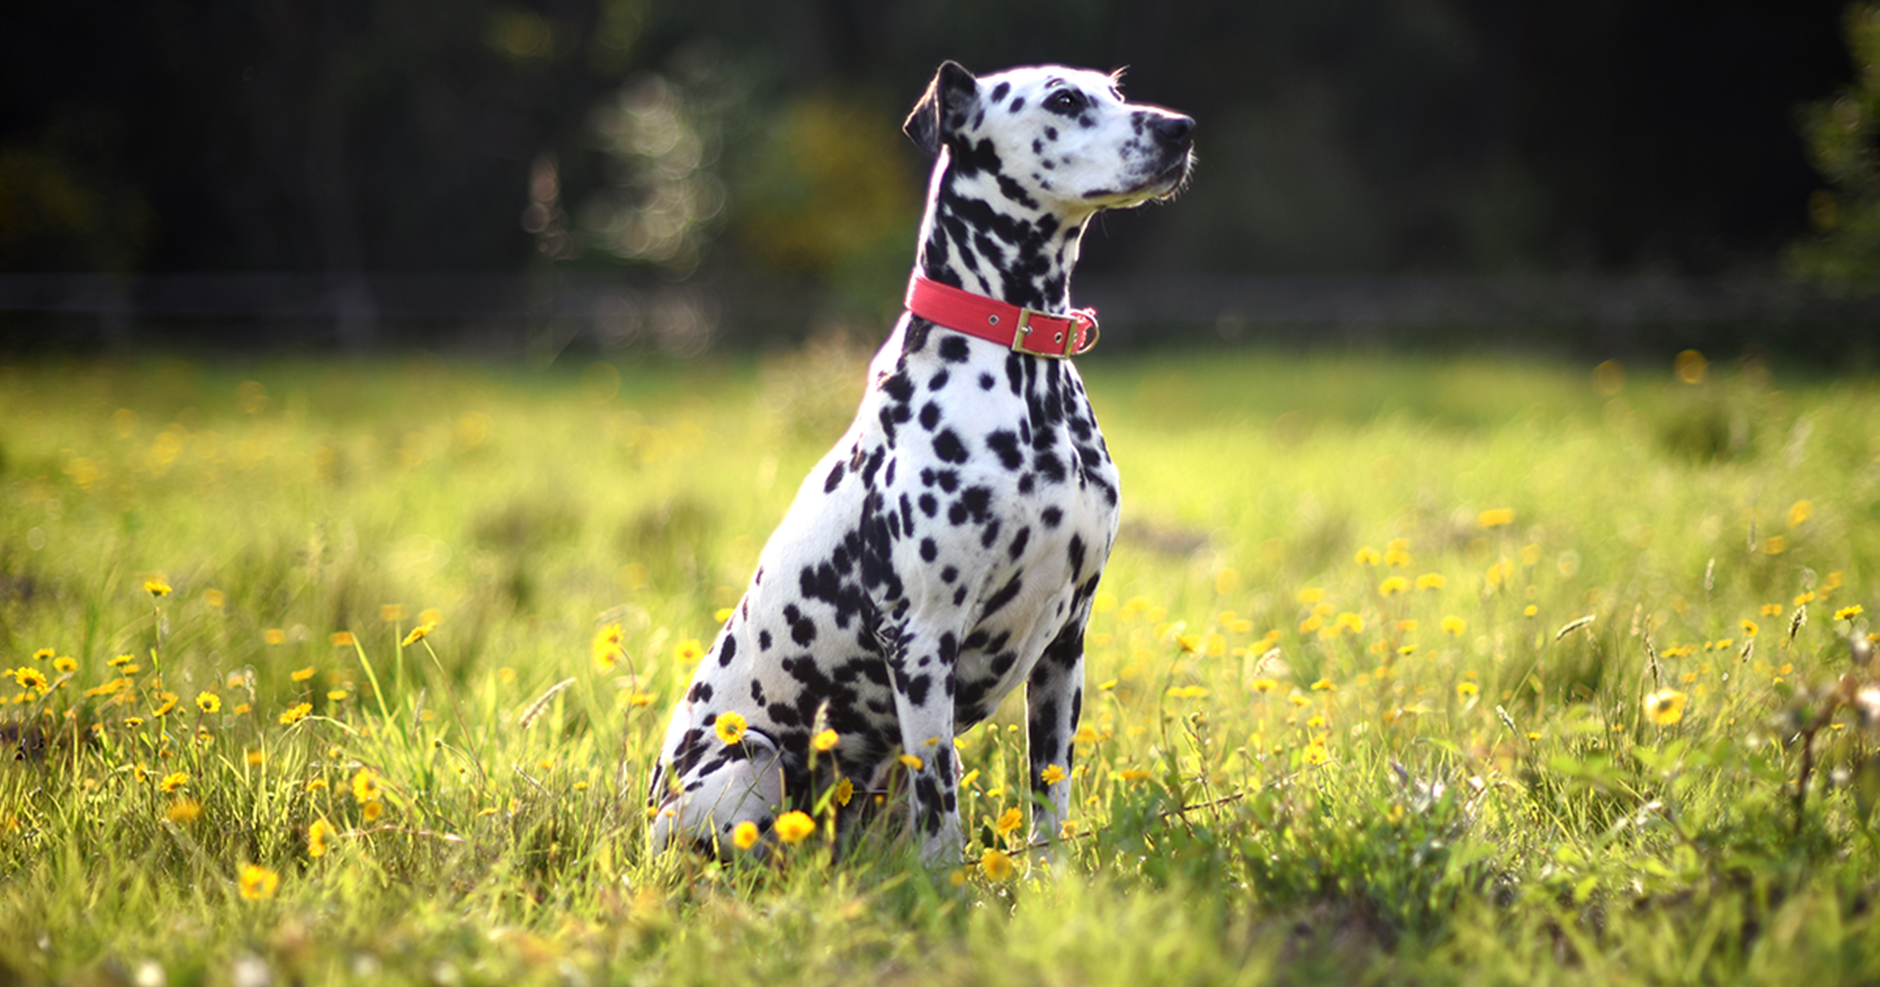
<point x="1303" y="760"/>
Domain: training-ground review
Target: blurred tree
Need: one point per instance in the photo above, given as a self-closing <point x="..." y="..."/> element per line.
<point x="1843" y="136"/>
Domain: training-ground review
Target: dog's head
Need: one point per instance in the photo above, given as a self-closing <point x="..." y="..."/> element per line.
<point x="1055" y="138"/>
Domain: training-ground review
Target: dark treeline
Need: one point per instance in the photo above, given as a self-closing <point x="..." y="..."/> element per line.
<point x="762" y="136"/>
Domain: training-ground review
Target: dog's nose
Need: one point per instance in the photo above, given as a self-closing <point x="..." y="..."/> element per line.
<point x="1175" y="130"/>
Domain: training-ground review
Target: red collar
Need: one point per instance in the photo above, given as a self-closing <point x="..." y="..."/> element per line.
<point x="1025" y="330"/>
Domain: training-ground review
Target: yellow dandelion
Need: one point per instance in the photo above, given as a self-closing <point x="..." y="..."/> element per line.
<point x="1396" y="557"/>
<point x="1324" y="685"/>
<point x="337" y="695"/>
<point x="317" y="834"/>
<point x="1393" y="586"/>
<point x="296" y="713"/>
<point x="258" y="883"/>
<point x="911" y="762"/>
<point x="1263" y="685"/>
<point x="1053" y="774"/>
<point x="208" y="702"/>
<point x="183" y="811"/>
<point x="997" y="866"/>
<point x="43" y="654"/>
<point x="744" y="835"/>
<point x="173" y="781"/>
<point x="794" y="827"/>
<point x="65" y="665"/>
<point x="31" y="678"/>
<point x="825" y="741"/>
<point x="688" y="650"/>
<point x="1849" y="613"/>
<point x="1496" y="517"/>
<point x="417" y="634"/>
<point x="1348" y="621"/>
<point x="1367" y="556"/>
<point x="1454" y="625"/>
<point x="730" y="726"/>
<point x="1467" y="690"/>
<point x="1749" y="628"/>
<point x="157" y="587"/>
<point x="302" y="674"/>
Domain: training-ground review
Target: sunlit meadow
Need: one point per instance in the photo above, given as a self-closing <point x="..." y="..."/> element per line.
<point x="1403" y="670"/>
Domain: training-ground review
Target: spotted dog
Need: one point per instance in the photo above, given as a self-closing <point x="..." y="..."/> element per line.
<point x="946" y="550"/>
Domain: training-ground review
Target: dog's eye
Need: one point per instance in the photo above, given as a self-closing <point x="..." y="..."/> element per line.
<point x="1065" y="101"/>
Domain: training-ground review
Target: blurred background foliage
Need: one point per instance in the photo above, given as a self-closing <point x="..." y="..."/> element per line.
<point x="758" y="142"/>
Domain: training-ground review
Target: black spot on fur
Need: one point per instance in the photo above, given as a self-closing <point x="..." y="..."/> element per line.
<point x="949" y="448"/>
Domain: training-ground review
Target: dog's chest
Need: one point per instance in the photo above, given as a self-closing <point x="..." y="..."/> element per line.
<point x="1000" y="498"/>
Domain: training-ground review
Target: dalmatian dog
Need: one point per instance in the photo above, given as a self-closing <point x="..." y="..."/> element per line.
<point x="947" y="549"/>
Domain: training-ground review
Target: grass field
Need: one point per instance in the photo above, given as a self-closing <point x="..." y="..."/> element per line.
<point x="1404" y="671"/>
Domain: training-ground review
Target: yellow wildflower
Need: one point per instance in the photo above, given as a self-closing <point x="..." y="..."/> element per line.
<point x="1008" y="821"/>
<point x="274" y="635"/>
<point x="258" y="883"/>
<point x="184" y="810"/>
<point x="1311" y="595"/>
<point x="730" y="726"/>
<point x="157" y="587"/>
<point x="996" y="865"/>
<point x="65" y="664"/>
<point x="1393" y="586"/>
<point x="1324" y="685"/>
<point x="392" y="612"/>
<point x="30" y="678"/>
<point x="1496" y="517"/>
<point x="606" y="648"/>
<point x="417" y="634"/>
<point x="911" y="762"/>
<point x="1467" y="690"/>
<point x="794" y="827"/>
<point x="1454" y="625"/>
<point x="317" y="835"/>
<point x="1849" y="613"/>
<point x="1053" y="774"/>
<point x="208" y="702"/>
<point x="1367" y="556"/>
<point x="825" y="741"/>
<point x="1665" y="707"/>
<point x="173" y="781"/>
<point x="1749" y="628"/>
<point x="365" y="786"/>
<point x="296" y="713"/>
<point x="341" y="639"/>
<point x="688" y="650"/>
<point x="744" y="835"/>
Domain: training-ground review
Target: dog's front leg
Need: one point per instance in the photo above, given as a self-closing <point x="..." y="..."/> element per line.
<point x="1054" y="697"/>
<point x="921" y="671"/>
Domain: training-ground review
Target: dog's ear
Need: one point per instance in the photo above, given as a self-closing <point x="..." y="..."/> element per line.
<point x="943" y="108"/>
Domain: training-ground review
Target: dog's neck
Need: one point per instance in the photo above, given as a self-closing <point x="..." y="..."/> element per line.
<point x="979" y="237"/>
